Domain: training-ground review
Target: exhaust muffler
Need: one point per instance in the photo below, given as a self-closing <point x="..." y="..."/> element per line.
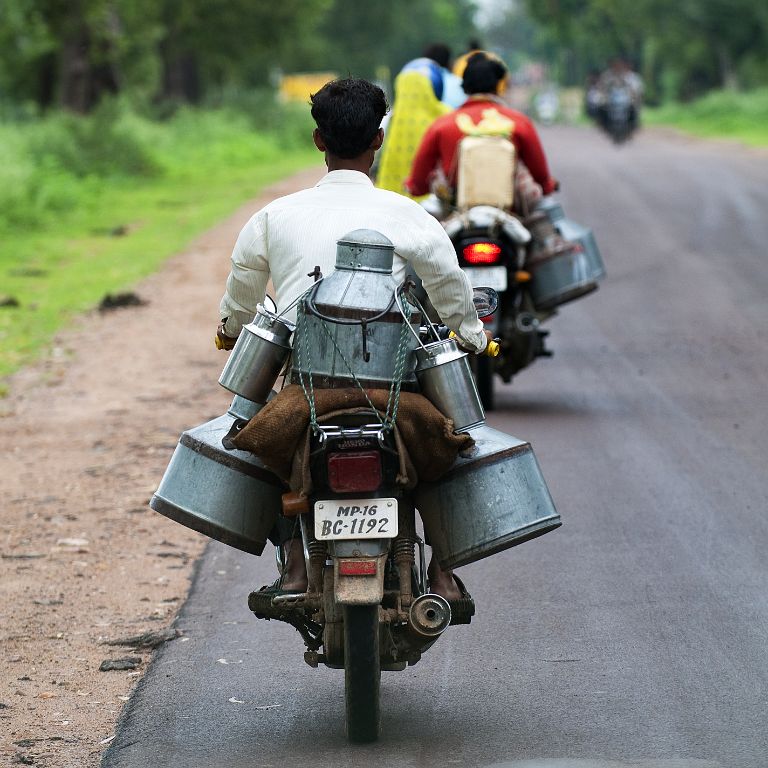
<point x="429" y="616"/>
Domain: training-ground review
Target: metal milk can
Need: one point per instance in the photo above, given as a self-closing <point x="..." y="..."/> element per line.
<point x="570" y="273"/>
<point x="350" y="326"/>
<point x="446" y="380"/>
<point x="228" y="495"/>
<point x="493" y="497"/>
<point x="258" y="356"/>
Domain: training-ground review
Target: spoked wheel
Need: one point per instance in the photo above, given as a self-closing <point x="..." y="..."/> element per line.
<point x="362" y="671"/>
<point x="484" y="379"/>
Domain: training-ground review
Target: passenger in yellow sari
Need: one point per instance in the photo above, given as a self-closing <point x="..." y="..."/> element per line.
<point x="415" y="108"/>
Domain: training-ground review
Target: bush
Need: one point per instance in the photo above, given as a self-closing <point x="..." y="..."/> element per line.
<point x="55" y="164"/>
<point x="105" y="143"/>
<point x="728" y="114"/>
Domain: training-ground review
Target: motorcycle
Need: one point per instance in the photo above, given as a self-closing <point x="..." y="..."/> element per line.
<point x="368" y="607"/>
<point x="536" y="265"/>
<point x="618" y="114"/>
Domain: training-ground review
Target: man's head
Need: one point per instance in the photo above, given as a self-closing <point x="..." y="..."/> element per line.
<point x="484" y="73"/>
<point x="348" y="114"/>
<point x="438" y="52"/>
<point x="618" y="64"/>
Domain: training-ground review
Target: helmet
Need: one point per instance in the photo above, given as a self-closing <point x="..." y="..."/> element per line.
<point x="461" y="64"/>
<point x="431" y="70"/>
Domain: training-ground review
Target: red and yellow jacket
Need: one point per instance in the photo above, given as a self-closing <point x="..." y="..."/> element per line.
<point x="477" y="116"/>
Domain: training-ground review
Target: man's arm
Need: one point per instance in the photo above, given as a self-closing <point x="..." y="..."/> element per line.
<point x="247" y="281"/>
<point x="532" y="154"/>
<point x="448" y="288"/>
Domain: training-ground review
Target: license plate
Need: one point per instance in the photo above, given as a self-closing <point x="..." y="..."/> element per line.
<point x="355" y="519"/>
<point x="487" y="277"/>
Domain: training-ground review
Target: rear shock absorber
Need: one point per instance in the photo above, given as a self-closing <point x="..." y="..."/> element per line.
<point x="315" y="554"/>
<point x="405" y="559"/>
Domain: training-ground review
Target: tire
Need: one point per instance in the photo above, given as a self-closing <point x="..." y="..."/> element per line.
<point x="484" y="378"/>
<point x="362" y="672"/>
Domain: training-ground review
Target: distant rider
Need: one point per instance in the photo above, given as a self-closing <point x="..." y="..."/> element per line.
<point x="484" y="78"/>
<point x="620" y="75"/>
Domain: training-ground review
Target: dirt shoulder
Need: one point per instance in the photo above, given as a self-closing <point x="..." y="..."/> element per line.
<point x="86" y="436"/>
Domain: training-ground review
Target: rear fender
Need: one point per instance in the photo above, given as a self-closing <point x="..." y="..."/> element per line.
<point x="359" y="590"/>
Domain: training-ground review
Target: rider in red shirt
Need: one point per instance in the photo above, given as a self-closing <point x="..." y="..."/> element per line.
<point x="483" y="112"/>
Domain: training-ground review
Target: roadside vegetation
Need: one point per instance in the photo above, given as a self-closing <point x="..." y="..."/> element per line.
<point x="91" y="204"/>
<point x="127" y="128"/>
<point x="722" y="114"/>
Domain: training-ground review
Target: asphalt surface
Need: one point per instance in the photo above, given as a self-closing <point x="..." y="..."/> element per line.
<point x="635" y="635"/>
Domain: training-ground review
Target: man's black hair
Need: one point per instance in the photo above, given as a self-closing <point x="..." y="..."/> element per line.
<point x="438" y="52"/>
<point x="482" y="74"/>
<point x="348" y="113"/>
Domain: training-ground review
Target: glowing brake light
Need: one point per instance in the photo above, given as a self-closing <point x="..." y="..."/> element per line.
<point x="482" y="253"/>
<point x="354" y="471"/>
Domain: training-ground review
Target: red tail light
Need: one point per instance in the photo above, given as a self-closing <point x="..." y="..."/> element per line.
<point x="357" y="567"/>
<point x="354" y="471"/>
<point x="482" y="253"/>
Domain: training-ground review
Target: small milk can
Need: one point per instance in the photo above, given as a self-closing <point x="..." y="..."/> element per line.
<point x="258" y="356"/>
<point x="446" y="380"/>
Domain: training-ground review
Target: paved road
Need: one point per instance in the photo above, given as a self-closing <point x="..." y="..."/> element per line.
<point x="633" y="636"/>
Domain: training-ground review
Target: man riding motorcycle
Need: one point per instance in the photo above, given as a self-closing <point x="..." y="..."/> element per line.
<point x="483" y="113"/>
<point x="620" y="79"/>
<point x="290" y="237"/>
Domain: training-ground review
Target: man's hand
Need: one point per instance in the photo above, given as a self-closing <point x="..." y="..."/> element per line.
<point x="222" y="340"/>
<point x="491" y="347"/>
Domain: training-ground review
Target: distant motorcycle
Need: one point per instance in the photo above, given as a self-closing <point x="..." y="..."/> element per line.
<point x="535" y="267"/>
<point x="619" y="114"/>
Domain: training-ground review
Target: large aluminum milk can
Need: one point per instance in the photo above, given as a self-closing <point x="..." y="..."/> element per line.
<point x="446" y="380"/>
<point x="559" y="275"/>
<point x="575" y="232"/>
<point x="567" y="274"/>
<point x="494" y="497"/>
<point x="258" y="356"/>
<point x="228" y="495"/>
<point x="351" y="323"/>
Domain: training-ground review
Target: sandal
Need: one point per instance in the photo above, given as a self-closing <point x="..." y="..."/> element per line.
<point x="261" y="602"/>
<point x="463" y="608"/>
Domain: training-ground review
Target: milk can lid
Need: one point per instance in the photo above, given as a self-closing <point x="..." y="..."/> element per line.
<point x="366" y="250"/>
<point x="369" y="238"/>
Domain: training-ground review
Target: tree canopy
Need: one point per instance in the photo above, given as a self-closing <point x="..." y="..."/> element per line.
<point x="72" y="52"/>
<point x="683" y="48"/>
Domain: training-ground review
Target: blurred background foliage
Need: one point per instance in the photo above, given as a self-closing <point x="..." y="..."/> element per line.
<point x="683" y="49"/>
<point x="71" y="53"/>
<point x="161" y="53"/>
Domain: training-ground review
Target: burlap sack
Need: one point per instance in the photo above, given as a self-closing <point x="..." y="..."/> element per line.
<point x="279" y="432"/>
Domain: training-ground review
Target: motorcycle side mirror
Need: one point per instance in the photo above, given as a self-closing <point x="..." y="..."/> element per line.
<point x="486" y="301"/>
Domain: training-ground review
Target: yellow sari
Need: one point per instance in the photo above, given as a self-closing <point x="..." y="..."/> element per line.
<point x="416" y="107"/>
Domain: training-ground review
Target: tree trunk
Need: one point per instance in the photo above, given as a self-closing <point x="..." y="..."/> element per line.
<point x="728" y="77"/>
<point x="181" y="74"/>
<point x="86" y="73"/>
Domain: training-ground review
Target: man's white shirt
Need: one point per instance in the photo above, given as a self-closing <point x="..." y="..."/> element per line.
<point x="292" y="235"/>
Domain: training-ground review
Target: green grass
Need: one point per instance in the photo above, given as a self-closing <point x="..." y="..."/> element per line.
<point x="65" y="199"/>
<point x="721" y="114"/>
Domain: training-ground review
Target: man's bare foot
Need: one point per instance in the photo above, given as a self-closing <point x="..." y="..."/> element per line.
<point x="442" y="582"/>
<point x="294" y="576"/>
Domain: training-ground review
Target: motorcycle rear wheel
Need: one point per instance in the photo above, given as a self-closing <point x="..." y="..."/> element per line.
<point x="362" y="672"/>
